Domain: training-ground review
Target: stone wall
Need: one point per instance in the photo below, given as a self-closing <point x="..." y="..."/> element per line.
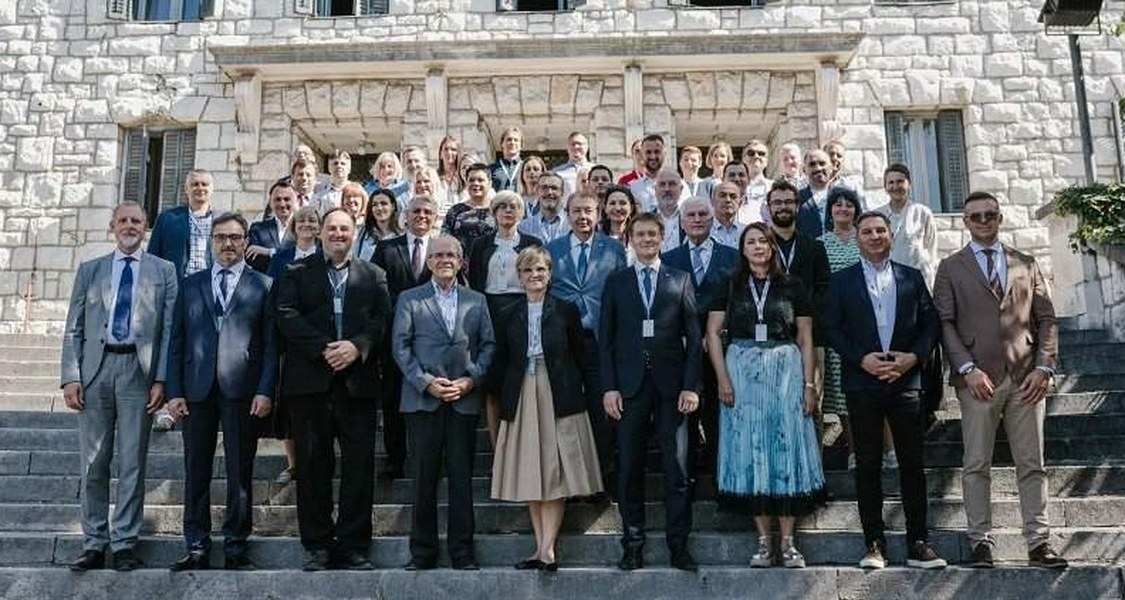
<point x="70" y="80"/>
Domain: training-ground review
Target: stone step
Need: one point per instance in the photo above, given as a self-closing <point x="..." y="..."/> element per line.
<point x="590" y="553"/>
<point x="29" y="368"/>
<point x="9" y="340"/>
<point x="36" y="384"/>
<point x="1063" y="481"/>
<point x="1092" y="358"/>
<point x="37" y="402"/>
<point x="1097" y="382"/>
<point x="1073" y="337"/>
<point x="1060" y="403"/>
<point x="33" y="352"/>
<point x="502" y="517"/>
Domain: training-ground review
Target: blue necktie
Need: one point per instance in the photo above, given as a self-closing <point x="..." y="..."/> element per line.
<point x="123" y="309"/>
<point x="219" y="311"/>
<point x="697" y="263"/>
<point x="647" y="284"/>
<point x="583" y="261"/>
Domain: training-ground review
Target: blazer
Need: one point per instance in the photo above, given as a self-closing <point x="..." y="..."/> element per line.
<point x="676" y="348"/>
<point x="264" y="233"/>
<point x="171" y="236"/>
<point x="307" y="325"/>
<point x="723" y="264"/>
<point x="561" y="335"/>
<point x="91" y="307"/>
<point x="811" y="266"/>
<point x="849" y="326"/>
<point x="281" y="260"/>
<point x="393" y="256"/>
<point x="241" y="357"/>
<point x="606" y="256"/>
<point x="1006" y="337"/>
<point x="424" y="349"/>
<point x="808" y="215"/>
<point x="481" y="251"/>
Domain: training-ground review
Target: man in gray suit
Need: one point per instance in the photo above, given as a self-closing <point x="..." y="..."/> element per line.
<point x="443" y="343"/>
<point x="112" y="372"/>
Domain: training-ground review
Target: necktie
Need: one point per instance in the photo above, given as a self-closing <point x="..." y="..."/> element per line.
<point x="697" y="263"/>
<point x="993" y="273"/>
<point x="123" y="309"/>
<point x="646" y="283"/>
<point x="583" y="261"/>
<point x="416" y="258"/>
<point x="223" y="295"/>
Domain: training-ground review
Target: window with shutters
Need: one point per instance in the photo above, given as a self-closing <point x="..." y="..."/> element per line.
<point x="154" y="166"/>
<point x="341" y="8"/>
<point x="932" y="146"/>
<point x="537" y="5"/>
<point x="720" y="3"/>
<point x="160" y="10"/>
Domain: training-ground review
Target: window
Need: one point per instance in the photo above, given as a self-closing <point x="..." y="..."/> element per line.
<point x="160" y="10"/>
<point x="156" y="162"/>
<point x="537" y="5"/>
<point x="341" y="8"/>
<point x="719" y="3"/>
<point x="932" y="146"/>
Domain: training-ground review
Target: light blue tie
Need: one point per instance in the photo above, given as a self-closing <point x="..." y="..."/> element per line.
<point x="646" y="283"/>
<point x="123" y="309"/>
<point x="583" y="261"/>
<point x="219" y="310"/>
<point x="697" y="263"/>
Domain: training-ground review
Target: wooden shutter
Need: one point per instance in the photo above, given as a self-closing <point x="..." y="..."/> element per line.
<point x="571" y="4"/>
<point x="134" y="166"/>
<point x="372" y="7"/>
<point x="951" y="159"/>
<point x="117" y="9"/>
<point x="507" y="5"/>
<point x="206" y="9"/>
<point x="303" y="7"/>
<point x="179" y="158"/>
<point x="894" y="125"/>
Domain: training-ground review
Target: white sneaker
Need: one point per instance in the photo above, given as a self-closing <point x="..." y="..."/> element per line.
<point x="764" y="557"/>
<point x="851" y="461"/>
<point x="874" y="558"/>
<point x="790" y="556"/>
<point x="890" y="460"/>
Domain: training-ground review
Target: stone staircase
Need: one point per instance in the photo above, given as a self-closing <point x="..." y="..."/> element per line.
<point x="40" y="531"/>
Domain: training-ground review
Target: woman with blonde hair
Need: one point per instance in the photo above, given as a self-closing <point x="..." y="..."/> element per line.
<point x="386" y="174"/>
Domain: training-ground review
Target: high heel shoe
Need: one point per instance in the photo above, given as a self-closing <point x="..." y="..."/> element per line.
<point x="530" y="564"/>
<point x="551" y="567"/>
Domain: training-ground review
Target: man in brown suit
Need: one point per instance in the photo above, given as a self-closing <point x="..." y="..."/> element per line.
<point x="999" y="332"/>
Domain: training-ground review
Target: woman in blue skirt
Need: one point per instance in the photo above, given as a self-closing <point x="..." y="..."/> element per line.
<point x="768" y="449"/>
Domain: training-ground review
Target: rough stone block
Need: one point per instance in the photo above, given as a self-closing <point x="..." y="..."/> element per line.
<point x="35" y="154"/>
<point x="135" y="46"/>
<point x="372" y="94"/>
<point x="1003" y="112"/>
<point x="701" y="86"/>
<point x="345" y="100"/>
<point x="780" y="90"/>
<point x="534" y="95"/>
<point x="924" y="87"/>
<point x="1003" y="64"/>
<point x="564" y="89"/>
<point x="657" y="19"/>
<point x="319" y="98"/>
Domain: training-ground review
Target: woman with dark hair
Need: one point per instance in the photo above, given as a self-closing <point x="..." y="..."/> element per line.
<point x="618" y="208"/>
<point x="768" y="448"/>
<point x="472" y="218"/>
<point x="600" y="178"/>
<point x="380" y="222"/>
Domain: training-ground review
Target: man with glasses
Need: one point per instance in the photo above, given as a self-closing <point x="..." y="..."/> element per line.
<point x="222" y="370"/>
<point x="1001" y="339"/>
<point x="548" y="223"/>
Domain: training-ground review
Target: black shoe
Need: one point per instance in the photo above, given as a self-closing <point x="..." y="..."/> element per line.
<point x="354" y="561"/>
<point x="392" y="472"/>
<point x="238" y="563"/>
<point x="981" y="558"/>
<point x="632" y="559"/>
<point x="125" y="561"/>
<point x="465" y="564"/>
<point x="683" y="560"/>
<point x="315" y="560"/>
<point x="90" y="560"/>
<point x="1045" y="556"/>
<point x="419" y="564"/>
<point x="529" y="564"/>
<point x="550" y="567"/>
<point x="196" y="560"/>
<point x="921" y="555"/>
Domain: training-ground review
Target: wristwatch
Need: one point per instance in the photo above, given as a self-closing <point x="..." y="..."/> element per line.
<point x="965" y="370"/>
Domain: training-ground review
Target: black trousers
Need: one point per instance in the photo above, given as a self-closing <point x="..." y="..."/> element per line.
<point x="447" y="437"/>
<point x="903" y="411"/>
<point x="650" y="405"/>
<point x="317" y="422"/>
<point x="394" y="427"/>
<point x="200" y="432"/>
<point x="706" y="419"/>
<point x="599" y="421"/>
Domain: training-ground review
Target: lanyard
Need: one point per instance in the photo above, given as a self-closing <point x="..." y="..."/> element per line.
<point x="511" y="174"/>
<point x="648" y="297"/>
<point x="760" y="301"/>
<point x="337" y="278"/>
<point x="788" y="260"/>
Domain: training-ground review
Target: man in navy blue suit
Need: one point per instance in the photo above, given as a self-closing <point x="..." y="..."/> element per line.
<point x="881" y="320"/>
<point x="813" y="216"/>
<point x="222" y="369"/>
<point x="711" y="265"/>
<point x="650" y="359"/>
<point x="268" y="235"/>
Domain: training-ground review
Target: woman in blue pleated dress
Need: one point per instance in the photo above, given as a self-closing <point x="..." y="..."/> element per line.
<point x="768" y="448"/>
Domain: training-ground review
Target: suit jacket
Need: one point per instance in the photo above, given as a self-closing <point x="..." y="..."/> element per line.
<point x="241" y="356"/>
<point x="561" y="335"/>
<point x="307" y="324"/>
<point x="171" y="236"/>
<point x="481" y="251"/>
<point x="424" y="349"/>
<point x="1009" y="336"/>
<point x="808" y="215"/>
<point x="264" y="233"/>
<point x="676" y="346"/>
<point x="811" y="266"/>
<point x="606" y="256"/>
<point x="849" y="326"/>
<point x="281" y="260"/>
<point x="723" y="264"/>
<point x="393" y="256"/>
<point x="91" y="307"/>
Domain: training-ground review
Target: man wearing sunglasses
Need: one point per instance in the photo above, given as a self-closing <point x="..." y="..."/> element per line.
<point x="1000" y="334"/>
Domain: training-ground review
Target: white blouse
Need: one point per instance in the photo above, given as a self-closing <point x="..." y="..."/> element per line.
<point x="915" y="238"/>
<point x="534" y="329"/>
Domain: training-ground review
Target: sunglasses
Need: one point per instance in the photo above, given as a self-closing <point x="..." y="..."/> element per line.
<point x="755" y="152"/>
<point x="983" y="217"/>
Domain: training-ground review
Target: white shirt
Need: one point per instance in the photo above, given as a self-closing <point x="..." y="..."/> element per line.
<point x="644" y="191"/>
<point x="882" y="290"/>
<point x="753" y="206"/>
<point x="298" y="254"/>
<point x="115" y="279"/>
<point x="447" y="302"/>
<point x="534" y="329"/>
<point x="727" y="236"/>
<point x="640" y="267"/>
<point x="999" y="259"/>
<point x="568" y="172"/>
<point x="915" y="238"/>
<point x="503" y="278"/>
<point x="232" y="281"/>
<point x="576" y="249"/>
<point x="410" y="237"/>
<point x="671" y="231"/>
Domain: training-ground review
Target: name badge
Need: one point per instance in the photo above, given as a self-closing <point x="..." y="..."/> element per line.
<point x="761" y="332"/>
<point x="648" y="328"/>
<point x="338" y="305"/>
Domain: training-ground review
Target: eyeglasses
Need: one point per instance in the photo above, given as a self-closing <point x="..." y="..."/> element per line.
<point x="756" y="152"/>
<point x="444" y="255"/>
<point x="228" y="237"/>
<point x="786" y="202"/>
<point x="983" y="217"/>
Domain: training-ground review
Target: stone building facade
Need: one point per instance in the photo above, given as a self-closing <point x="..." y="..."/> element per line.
<point x="253" y="78"/>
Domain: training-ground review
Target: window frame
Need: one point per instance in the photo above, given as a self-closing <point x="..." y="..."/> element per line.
<point x="131" y="10"/>
<point x="143" y="174"/>
<point x="929" y="162"/>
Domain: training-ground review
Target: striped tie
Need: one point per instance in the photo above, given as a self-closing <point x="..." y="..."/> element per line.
<point x="993" y="273"/>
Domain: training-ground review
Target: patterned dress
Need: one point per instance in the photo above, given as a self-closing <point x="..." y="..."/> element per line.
<point x="467" y="223"/>
<point x="841" y="255"/>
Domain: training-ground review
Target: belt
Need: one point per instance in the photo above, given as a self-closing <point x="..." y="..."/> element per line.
<point x="120" y="348"/>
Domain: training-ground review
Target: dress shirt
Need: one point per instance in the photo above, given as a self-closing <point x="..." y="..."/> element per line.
<point x="298" y="254"/>
<point x="568" y="171"/>
<point x="281" y="233"/>
<point x="447" y="302"/>
<point x="115" y="281"/>
<point x="547" y="230"/>
<point x="576" y="248"/>
<point x="503" y="278"/>
<point x="693" y="187"/>
<point x="705" y="250"/>
<point x="534" y="329"/>
<point x="199" y="242"/>
<point x="753" y="206"/>
<point x="727" y="235"/>
<point x="410" y="237"/>
<point x="672" y="230"/>
<point x="1000" y="259"/>
<point x="232" y="281"/>
<point x="820" y="199"/>
<point x="880" y="280"/>
<point x="639" y="267"/>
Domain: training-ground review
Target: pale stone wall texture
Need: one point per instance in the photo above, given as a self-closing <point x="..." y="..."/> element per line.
<point x="70" y="80"/>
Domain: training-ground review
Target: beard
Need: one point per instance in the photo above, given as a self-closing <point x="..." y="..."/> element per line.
<point x="784" y="219"/>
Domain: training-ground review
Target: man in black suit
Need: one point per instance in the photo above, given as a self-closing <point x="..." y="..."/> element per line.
<point x="711" y="265"/>
<point x="650" y="349"/>
<point x="333" y="312"/>
<point x="881" y="320"/>
<point x="222" y="369"/>
<point x="404" y="260"/>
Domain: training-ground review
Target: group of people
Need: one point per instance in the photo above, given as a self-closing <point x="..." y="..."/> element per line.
<point x="728" y="318"/>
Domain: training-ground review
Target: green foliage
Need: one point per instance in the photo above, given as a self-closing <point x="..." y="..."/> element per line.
<point x="1100" y="209"/>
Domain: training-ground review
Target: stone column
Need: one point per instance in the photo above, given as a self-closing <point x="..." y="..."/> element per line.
<point x="634" y="104"/>
<point x="827" y="99"/>
<point x="437" y="109"/>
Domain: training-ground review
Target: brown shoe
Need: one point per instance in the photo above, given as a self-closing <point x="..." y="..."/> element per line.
<point x="981" y="558"/>
<point x="1045" y="556"/>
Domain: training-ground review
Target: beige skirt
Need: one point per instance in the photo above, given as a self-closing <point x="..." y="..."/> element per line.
<point x="541" y="457"/>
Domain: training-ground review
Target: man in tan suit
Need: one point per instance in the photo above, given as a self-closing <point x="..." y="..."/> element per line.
<point x="999" y="332"/>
